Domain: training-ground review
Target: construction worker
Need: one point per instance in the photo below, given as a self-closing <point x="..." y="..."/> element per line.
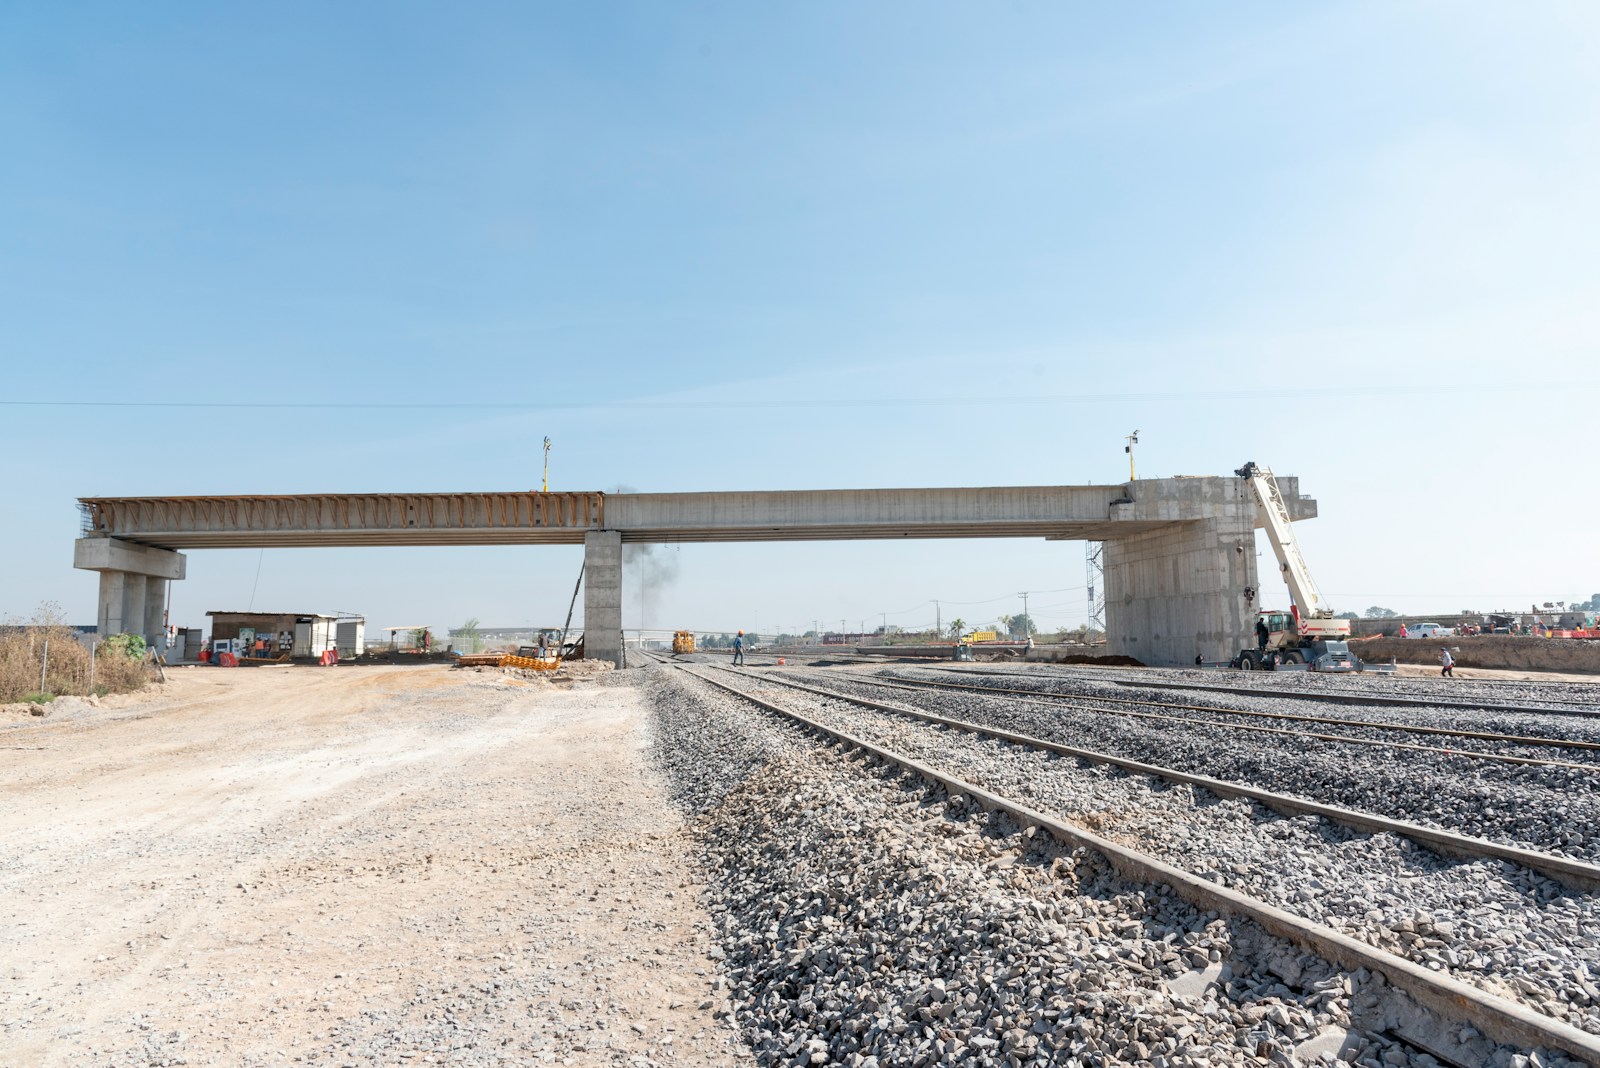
<point x="1262" y="634"/>
<point x="1448" y="662"/>
<point x="738" y="648"/>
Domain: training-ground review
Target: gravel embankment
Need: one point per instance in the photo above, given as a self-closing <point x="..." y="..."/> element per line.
<point x="1508" y="930"/>
<point x="866" y="920"/>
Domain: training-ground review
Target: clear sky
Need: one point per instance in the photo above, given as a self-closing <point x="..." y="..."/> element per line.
<point x="804" y="245"/>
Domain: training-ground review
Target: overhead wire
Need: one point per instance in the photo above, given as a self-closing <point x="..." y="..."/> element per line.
<point x="1321" y="391"/>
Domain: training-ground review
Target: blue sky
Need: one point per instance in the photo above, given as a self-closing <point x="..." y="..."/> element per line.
<point x="804" y="245"/>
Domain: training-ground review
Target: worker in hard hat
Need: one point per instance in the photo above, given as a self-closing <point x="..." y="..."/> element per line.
<point x="738" y="648"/>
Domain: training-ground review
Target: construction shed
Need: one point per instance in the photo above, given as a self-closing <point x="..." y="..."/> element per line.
<point x="303" y="635"/>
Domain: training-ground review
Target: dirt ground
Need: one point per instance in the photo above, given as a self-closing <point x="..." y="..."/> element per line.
<point x="1533" y="658"/>
<point x="359" y="865"/>
<point x="1505" y="674"/>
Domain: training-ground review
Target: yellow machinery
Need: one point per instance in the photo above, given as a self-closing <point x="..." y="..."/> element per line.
<point x="683" y="642"/>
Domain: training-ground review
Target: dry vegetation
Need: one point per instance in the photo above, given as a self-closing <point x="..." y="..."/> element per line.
<point x="22" y="655"/>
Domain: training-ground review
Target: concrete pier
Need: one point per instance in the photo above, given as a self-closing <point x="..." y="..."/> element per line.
<point x="133" y="584"/>
<point x="602" y="595"/>
<point x="1187" y="586"/>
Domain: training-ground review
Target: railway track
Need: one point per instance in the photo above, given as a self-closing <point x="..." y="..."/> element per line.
<point x="1576" y="875"/>
<point x="1412" y="699"/>
<point x="1503" y="1019"/>
<point x="1587" y="711"/>
<point x="1125" y="706"/>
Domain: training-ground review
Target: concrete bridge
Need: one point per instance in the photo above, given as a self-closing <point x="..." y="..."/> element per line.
<point x="1180" y="558"/>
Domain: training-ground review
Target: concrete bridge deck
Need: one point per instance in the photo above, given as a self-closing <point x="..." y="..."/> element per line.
<point x="1180" y="552"/>
<point x="1075" y="513"/>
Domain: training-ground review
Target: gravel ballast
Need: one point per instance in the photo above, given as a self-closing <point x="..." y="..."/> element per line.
<point x="1553" y="809"/>
<point x="1510" y="931"/>
<point x="866" y="919"/>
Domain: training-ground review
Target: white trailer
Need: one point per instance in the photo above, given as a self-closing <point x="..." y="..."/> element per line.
<point x="352" y="638"/>
<point x="313" y="636"/>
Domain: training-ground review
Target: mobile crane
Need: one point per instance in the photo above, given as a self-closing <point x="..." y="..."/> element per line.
<point x="1308" y="633"/>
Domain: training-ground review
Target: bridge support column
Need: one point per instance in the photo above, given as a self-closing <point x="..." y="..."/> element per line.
<point x="602" y="595"/>
<point x="1186" y="588"/>
<point x="133" y="584"/>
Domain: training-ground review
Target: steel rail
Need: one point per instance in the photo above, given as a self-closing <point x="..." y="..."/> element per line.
<point x="1573" y="874"/>
<point x="1501" y="1019"/>
<point x="1041" y="697"/>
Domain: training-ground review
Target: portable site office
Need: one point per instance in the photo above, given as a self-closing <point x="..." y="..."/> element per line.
<point x="301" y="635"/>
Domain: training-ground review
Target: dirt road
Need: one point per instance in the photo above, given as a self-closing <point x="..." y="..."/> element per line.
<point x="377" y="865"/>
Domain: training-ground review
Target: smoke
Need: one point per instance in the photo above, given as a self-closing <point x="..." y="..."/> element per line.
<point x="651" y="569"/>
<point x="648" y="571"/>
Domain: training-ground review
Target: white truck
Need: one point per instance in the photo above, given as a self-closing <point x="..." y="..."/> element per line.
<point x="1429" y="630"/>
<point x="1307" y="633"/>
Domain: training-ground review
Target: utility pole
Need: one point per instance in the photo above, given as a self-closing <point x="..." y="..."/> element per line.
<point x="1132" y="440"/>
<point x="938" y="624"/>
<point x="1024" y="596"/>
<point x="547" y="463"/>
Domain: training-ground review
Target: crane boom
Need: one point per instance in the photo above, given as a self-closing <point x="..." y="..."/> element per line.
<point x="1293" y="566"/>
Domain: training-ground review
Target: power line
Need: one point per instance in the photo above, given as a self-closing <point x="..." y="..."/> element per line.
<point x="829" y="402"/>
<point x="903" y="611"/>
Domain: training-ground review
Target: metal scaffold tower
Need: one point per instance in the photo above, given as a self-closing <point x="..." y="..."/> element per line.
<point x="1095" y="581"/>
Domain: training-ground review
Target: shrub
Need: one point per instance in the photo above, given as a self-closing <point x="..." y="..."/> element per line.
<point x="131" y="646"/>
<point x="119" y="664"/>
